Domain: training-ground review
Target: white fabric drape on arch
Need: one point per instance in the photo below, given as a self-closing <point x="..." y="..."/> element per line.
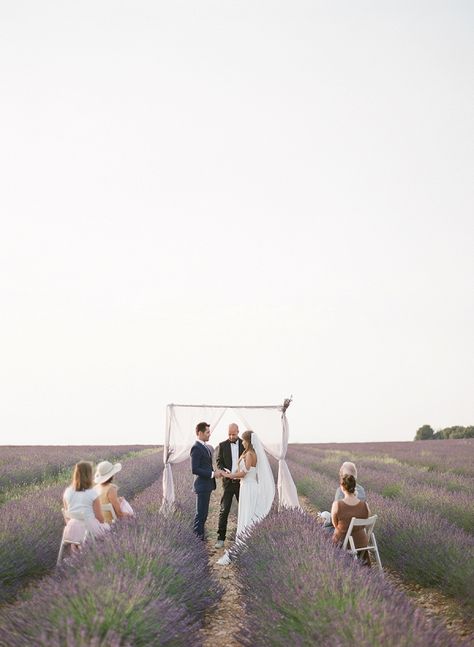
<point x="269" y="422"/>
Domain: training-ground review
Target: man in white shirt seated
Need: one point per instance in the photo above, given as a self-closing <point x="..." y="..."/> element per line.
<point x="346" y="468"/>
<point x="350" y="468"/>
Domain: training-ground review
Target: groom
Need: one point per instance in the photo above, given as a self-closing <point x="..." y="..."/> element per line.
<point x="227" y="459"/>
<point x="205" y="481"/>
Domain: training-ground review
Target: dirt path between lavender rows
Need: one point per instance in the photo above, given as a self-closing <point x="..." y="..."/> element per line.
<point x="222" y="624"/>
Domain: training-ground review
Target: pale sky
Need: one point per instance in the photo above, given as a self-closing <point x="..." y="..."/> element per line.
<point x="231" y="202"/>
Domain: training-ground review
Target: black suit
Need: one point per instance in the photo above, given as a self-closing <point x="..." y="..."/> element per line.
<point x="231" y="487"/>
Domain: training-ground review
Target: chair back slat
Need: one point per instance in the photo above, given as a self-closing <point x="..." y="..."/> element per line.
<point x="371" y="547"/>
<point x="368" y="524"/>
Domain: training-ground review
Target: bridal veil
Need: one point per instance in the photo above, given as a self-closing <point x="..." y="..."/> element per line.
<point x="266" y="481"/>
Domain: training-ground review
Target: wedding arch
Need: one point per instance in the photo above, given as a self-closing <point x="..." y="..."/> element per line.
<point x="268" y="421"/>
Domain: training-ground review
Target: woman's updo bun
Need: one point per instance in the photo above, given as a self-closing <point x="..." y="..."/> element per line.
<point x="349" y="483"/>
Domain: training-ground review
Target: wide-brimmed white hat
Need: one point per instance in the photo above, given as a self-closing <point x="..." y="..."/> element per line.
<point x="105" y="471"/>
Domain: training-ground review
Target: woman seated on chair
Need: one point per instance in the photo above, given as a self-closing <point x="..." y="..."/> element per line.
<point x="107" y="491"/>
<point x="344" y="509"/>
<point x="82" y="511"/>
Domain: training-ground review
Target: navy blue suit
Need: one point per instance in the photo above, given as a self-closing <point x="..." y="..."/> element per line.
<point x="204" y="484"/>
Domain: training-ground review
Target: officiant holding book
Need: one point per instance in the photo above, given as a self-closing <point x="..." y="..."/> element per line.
<point x="227" y="458"/>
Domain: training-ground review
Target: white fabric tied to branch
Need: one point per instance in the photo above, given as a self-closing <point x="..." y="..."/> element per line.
<point x="269" y="422"/>
<point x="169" y="496"/>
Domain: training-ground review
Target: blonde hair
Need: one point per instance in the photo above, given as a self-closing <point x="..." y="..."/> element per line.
<point x="82" y="476"/>
<point x="348" y="468"/>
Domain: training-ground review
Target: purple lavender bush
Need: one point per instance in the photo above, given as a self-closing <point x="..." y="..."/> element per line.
<point x="426" y="549"/>
<point x="450" y="456"/>
<point x="146" y="583"/>
<point x="444" y="495"/>
<point x="299" y="590"/>
<point x="57" y="638"/>
<point x="32" y="526"/>
<point x="329" y="461"/>
<point x="317" y="487"/>
<point x="20" y="466"/>
<point x="456" y="507"/>
<point x="100" y="596"/>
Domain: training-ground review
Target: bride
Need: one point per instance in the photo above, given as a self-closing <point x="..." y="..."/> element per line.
<point x="257" y="486"/>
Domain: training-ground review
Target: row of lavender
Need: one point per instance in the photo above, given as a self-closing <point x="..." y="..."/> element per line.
<point x="147" y="583"/>
<point x="384" y="462"/>
<point x="454" y="456"/>
<point x="22" y="466"/>
<point x="441" y="493"/>
<point x="422" y="546"/>
<point x="299" y="590"/>
<point x="32" y="525"/>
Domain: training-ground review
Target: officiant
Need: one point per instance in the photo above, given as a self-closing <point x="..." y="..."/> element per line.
<point x="227" y="458"/>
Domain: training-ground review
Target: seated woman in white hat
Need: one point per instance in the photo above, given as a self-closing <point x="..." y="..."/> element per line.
<point x="108" y="491"/>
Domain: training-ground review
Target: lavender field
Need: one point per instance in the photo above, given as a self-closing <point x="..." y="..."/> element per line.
<point x="454" y="456"/>
<point x="146" y="583"/>
<point x="32" y="524"/>
<point x="24" y="469"/>
<point x="425" y="528"/>
<point x="150" y="581"/>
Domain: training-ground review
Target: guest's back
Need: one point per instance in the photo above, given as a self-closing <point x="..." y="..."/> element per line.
<point x="108" y="491"/>
<point x="80" y="503"/>
<point x="103" y="491"/>
<point x="344" y="512"/>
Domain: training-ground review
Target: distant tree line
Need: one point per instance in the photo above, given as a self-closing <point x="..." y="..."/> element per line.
<point x="427" y="433"/>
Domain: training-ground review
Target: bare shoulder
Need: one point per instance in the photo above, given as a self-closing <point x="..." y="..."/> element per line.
<point x="251" y="458"/>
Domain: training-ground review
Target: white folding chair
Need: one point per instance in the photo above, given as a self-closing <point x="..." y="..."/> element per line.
<point x="68" y="542"/>
<point x="371" y="547"/>
<point x="108" y="507"/>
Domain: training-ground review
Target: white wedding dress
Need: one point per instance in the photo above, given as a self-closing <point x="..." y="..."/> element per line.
<point x="257" y="491"/>
<point x="248" y="498"/>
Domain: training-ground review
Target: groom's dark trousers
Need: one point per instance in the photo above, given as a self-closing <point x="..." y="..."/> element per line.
<point x="204" y="484"/>
<point x="231" y="487"/>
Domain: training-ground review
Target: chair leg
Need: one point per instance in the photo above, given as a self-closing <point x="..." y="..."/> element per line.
<point x="75" y="548"/>
<point x="352" y="549"/>
<point x="60" y="554"/>
<point x="376" y="551"/>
